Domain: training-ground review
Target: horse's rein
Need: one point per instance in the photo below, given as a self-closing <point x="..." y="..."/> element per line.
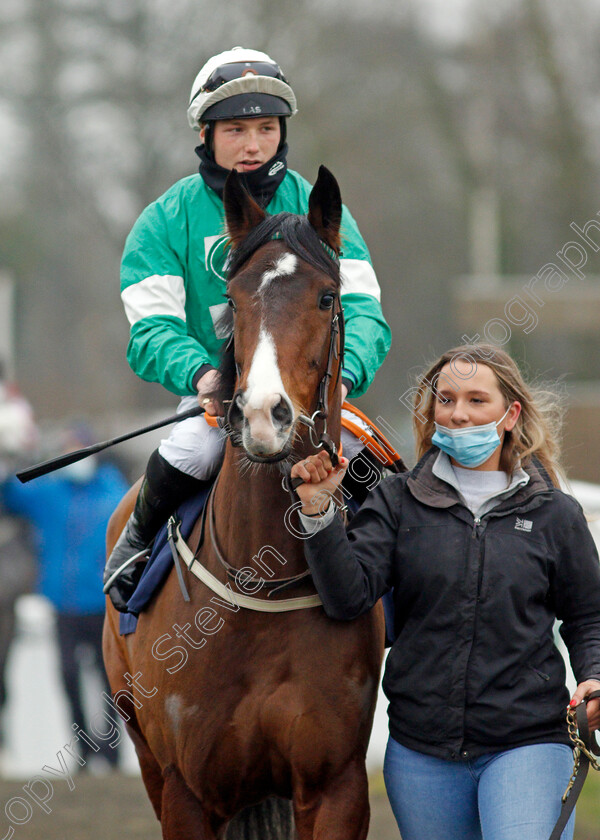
<point x="321" y="412"/>
<point x="276" y="585"/>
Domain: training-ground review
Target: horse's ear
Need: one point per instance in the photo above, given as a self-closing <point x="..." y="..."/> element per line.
<point x="325" y="209"/>
<point x="242" y="213"/>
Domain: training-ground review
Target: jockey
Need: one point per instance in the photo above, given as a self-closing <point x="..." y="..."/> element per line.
<point x="173" y="283"/>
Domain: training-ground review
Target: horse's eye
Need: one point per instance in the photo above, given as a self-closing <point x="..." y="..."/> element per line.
<point x="231" y="303"/>
<point x="326" y="301"/>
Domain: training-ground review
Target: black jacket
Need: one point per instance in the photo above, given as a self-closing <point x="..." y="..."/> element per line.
<point x="474" y="668"/>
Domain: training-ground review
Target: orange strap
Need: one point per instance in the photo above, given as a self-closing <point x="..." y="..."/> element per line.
<point x="377" y="443"/>
<point x="213" y="421"/>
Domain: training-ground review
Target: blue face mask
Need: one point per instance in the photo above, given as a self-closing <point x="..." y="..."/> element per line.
<point x="470" y="446"/>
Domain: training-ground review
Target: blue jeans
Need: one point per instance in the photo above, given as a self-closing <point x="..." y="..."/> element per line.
<point x="511" y="795"/>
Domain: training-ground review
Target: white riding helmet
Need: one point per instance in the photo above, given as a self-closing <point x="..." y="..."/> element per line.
<point x="240" y="83"/>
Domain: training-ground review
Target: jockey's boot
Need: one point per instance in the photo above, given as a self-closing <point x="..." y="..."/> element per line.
<point x="163" y="489"/>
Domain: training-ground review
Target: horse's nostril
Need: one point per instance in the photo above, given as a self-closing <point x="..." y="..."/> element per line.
<point x="282" y="413"/>
<point x="235" y="416"/>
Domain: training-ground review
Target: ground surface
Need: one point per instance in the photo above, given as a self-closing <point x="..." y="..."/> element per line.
<point x="116" y="808"/>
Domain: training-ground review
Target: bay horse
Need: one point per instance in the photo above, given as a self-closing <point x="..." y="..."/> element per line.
<point x="235" y="713"/>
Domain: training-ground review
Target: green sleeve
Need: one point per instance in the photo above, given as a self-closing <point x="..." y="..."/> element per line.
<point x="160" y="350"/>
<point x="368" y="340"/>
<point x="368" y="336"/>
<point x="153" y="277"/>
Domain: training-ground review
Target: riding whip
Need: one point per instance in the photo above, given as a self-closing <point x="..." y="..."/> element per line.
<point x="71" y="457"/>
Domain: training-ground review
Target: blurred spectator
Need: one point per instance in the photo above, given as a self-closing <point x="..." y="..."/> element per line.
<point x="17" y="570"/>
<point x="69" y="510"/>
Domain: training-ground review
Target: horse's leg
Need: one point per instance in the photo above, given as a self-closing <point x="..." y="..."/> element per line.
<point x="116" y="665"/>
<point x="151" y="773"/>
<point x="338" y="811"/>
<point x="182" y="815"/>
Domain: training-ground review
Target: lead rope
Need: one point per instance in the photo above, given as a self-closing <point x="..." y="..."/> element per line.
<point x="585" y="748"/>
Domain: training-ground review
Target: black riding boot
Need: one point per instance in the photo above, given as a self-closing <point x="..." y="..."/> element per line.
<point x="163" y="489"/>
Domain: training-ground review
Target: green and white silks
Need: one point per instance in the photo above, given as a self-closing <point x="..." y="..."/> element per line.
<point x="173" y="286"/>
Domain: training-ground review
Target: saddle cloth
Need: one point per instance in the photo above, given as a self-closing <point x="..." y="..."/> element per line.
<point x="160" y="562"/>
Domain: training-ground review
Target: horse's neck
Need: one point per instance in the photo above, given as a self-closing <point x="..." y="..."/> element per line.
<point x="254" y="514"/>
<point x="251" y="512"/>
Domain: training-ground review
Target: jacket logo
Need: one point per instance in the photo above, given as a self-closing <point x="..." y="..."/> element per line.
<point x="275" y="168"/>
<point x="523" y="525"/>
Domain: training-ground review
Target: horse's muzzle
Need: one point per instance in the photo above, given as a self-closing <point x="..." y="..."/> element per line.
<point x="264" y="427"/>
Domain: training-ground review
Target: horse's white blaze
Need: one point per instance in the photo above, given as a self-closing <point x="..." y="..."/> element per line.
<point x="285" y="265"/>
<point x="264" y="378"/>
<point x="264" y="390"/>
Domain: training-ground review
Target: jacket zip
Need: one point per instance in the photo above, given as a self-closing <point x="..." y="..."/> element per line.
<point x="477" y="534"/>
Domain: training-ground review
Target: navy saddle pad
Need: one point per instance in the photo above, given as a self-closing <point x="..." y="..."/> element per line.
<point x="160" y="562"/>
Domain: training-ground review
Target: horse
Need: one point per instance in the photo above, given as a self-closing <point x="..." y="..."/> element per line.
<point x="235" y="713"/>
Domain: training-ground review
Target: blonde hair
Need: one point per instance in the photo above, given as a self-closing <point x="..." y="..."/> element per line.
<point x="537" y="430"/>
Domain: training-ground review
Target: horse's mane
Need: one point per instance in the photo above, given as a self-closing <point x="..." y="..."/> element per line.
<point x="302" y="239"/>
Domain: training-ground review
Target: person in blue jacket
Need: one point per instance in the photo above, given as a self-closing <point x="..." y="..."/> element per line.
<point x="483" y="552"/>
<point x="69" y="511"/>
<point x="18" y="438"/>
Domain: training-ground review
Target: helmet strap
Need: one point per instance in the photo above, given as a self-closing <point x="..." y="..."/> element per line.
<point x="283" y="132"/>
<point x="208" y="138"/>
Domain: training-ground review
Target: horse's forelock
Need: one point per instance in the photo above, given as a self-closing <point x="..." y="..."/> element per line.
<point x="297" y="233"/>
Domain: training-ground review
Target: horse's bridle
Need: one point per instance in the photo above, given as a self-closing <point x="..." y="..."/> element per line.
<point x="336" y="351"/>
<point x="321" y="412"/>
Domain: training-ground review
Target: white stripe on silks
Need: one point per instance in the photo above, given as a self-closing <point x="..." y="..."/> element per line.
<point x="358" y="277"/>
<point x="217" y="311"/>
<point x="160" y="294"/>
